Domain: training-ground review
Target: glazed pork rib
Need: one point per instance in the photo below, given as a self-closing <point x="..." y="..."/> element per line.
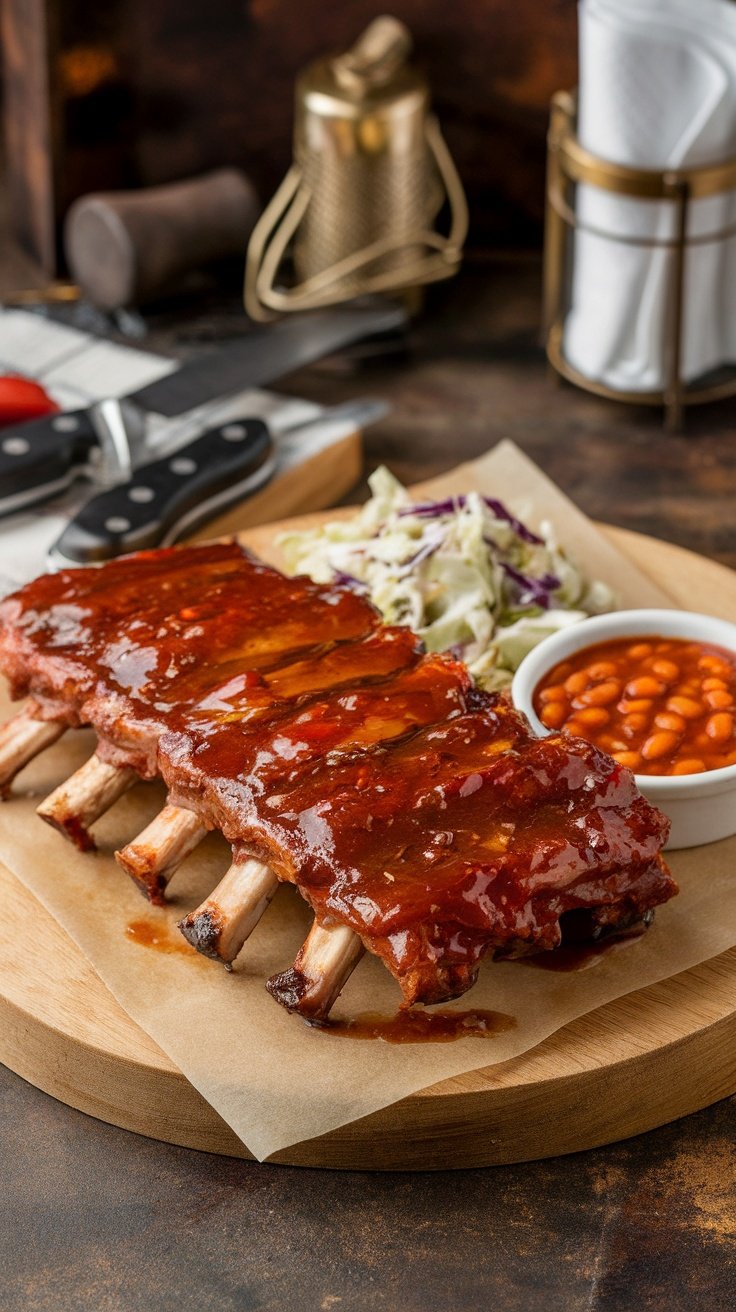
<point x="132" y="671"/>
<point x="419" y="817"/>
<point x="464" y="837"/>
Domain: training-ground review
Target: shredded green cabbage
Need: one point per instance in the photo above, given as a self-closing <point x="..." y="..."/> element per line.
<point x="464" y="573"/>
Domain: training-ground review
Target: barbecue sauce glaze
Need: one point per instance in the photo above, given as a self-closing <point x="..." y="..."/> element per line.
<point x="149" y="933"/>
<point x="405" y="804"/>
<point x="423" y="1026"/>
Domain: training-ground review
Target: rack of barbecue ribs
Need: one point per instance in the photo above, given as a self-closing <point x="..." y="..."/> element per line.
<point x="419" y="817"/>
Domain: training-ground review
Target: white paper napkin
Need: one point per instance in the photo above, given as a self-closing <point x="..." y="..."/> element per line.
<point x="657" y="90"/>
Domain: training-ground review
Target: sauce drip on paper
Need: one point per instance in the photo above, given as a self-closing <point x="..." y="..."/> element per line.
<point x="423" y="1026"/>
<point x="150" y="933"/>
<point x="581" y="956"/>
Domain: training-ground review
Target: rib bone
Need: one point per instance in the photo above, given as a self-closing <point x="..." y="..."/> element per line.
<point x="219" y="927"/>
<point x="323" y="965"/>
<point x="84" y="797"/>
<point x="21" y="739"/>
<point x="160" y="848"/>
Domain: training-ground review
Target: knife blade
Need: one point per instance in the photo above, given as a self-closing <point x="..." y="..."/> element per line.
<point x="38" y="459"/>
<point x="169" y="496"/>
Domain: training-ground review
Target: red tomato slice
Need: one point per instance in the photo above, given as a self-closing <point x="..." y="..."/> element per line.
<point x="21" y="398"/>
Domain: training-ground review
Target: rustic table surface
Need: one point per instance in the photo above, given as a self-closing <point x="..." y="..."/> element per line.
<point x="94" y="1217"/>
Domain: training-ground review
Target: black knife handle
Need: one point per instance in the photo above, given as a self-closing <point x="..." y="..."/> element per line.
<point x="41" y="456"/>
<point x="167" y="496"/>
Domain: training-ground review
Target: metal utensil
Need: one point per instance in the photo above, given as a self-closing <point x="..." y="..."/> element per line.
<point x="107" y="441"/>
<point x="170" y="496"/>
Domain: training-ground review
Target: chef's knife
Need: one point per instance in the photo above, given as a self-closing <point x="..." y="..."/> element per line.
<point x="170" y="496"/>
<point x="109" y="439"/>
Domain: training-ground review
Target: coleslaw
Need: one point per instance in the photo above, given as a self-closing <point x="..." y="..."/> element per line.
<point x="467" y="575"/>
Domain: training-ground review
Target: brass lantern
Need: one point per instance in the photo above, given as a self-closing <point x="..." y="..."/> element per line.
<point x="358" y="208"/>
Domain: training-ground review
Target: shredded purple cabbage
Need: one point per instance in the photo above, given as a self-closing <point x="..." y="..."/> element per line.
<point x="434" y="509"/>
<point x="500" y="511"/>
<point x="423" y="553"/>
<point x="344" y="580"/>
<point x="532" y="592"/>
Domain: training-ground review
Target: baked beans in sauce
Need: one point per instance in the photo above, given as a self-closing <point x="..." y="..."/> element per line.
<point x="664" y="706"/>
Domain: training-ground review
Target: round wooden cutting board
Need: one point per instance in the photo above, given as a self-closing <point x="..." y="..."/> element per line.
<point x="634" y="1064"/>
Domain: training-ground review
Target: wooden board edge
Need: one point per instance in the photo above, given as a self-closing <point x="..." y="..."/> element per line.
<point x="100" y="1084"/>
<point x="548" y="1118"/>
<point x="477" y="1119"/>
<point x="391" y="1138"/>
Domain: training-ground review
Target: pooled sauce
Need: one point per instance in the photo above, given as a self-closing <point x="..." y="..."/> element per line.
<point x="150" y="933"/>
<point x="423" y="1026"/>
<point x="581" y="956"/>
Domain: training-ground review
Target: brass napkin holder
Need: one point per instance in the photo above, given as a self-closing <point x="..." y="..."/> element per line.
<point x="569" y="163"/>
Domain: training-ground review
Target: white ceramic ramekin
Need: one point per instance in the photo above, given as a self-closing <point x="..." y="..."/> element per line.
<point x="702" y="807"/>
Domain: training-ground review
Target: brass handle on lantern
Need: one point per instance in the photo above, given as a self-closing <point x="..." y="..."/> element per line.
<point x="376" y="55"/>
<point x="281" y="218"/>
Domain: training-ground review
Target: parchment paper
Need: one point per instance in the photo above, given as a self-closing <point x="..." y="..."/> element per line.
<point x="272" y="1078"/>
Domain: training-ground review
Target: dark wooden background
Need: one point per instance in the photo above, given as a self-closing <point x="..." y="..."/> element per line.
<point x="134" y="92"/>
<point x="92" y="1217"/>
